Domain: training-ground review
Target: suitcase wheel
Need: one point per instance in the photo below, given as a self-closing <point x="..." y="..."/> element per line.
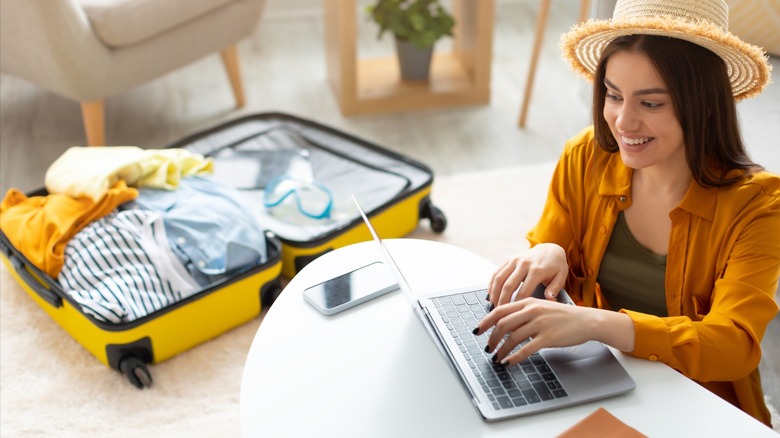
<point x="269" y="293"/>
<point x="434" y="214"/>
<point x="136" y="372"/>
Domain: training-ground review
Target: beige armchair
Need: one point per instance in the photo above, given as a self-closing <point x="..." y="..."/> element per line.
<point x="88" y="50"/>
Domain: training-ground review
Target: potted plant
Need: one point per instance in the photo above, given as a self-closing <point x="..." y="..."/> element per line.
<point x="416" y="25"/>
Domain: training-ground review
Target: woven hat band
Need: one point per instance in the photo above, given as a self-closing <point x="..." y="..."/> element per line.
<point x="713" y="11"/>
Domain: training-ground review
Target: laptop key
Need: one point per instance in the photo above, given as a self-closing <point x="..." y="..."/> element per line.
<point x="519" y="401"/>
<point x="505" y="402"/>
<point x="493" y="383"/>
<point x="534" y="377"/>
<point x="531" y="396"/>
<point x="558" y="393"/>
<point x="518" y="376"/>
<point x="498" y="391"/>
<point x="470" y="298"/>
<point x="543" y="392"/>
<point x="457" y="299"/>
<point x="514" y="393"/>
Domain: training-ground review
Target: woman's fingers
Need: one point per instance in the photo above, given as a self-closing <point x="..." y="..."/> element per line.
<point x="520" y="355"/>
<point x="518" y="277"/>
<point x="555" y="286"/>
<point x="504" y="282"/>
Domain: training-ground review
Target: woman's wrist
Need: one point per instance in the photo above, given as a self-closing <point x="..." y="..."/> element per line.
<point x="614" y="329"/>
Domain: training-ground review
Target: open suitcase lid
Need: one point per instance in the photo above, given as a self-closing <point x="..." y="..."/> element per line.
<point x="253" y="152"/>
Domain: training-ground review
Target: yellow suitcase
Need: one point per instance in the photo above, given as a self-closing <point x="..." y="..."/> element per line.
<point x="393" y="189"/>
<point x="129" y="347"/>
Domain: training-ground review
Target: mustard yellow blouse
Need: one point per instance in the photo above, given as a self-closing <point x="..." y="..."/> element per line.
<point x="722" y="267"/>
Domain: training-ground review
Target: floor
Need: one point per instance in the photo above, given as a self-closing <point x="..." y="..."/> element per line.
<point x="284" y="70"/>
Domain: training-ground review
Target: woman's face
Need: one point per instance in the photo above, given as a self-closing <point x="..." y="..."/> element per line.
<point x="640" y="113"/>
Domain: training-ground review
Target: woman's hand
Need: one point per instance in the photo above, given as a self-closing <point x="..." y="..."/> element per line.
<point x="545" y="264"/>
<point x="552" y="324"/>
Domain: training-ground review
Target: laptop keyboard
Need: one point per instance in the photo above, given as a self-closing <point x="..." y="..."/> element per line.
<point x="530" y="381"/>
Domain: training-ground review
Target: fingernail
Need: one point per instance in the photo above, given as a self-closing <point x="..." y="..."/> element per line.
<point x="487" y="297"/>
<point x="475" y="331"/>
<point x="504" y="363"/>
<point x="487" y="348"/>
<point x="495" y="358"/>
<point x="492" y="306"/>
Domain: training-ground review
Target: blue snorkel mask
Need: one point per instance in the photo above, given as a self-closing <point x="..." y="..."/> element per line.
<point x="312" y="199"/>
<point x="297" y="185"/>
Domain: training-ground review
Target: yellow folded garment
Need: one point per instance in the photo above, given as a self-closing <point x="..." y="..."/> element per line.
<point x="41" y="226"/>
<point x="90" y="171"/>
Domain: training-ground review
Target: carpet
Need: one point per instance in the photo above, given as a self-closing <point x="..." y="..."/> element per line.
<point x="51" y="386"/>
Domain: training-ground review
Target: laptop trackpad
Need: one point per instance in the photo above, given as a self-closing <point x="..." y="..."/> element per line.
<point x="588" y="371"/>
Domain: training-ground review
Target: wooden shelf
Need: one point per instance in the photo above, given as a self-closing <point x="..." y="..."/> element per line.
<point x="461" y="77"/>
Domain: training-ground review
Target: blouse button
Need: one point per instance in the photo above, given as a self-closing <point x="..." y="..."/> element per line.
<point x="603" y="229"/>
<point x="653" y="357"/>
<point x="623" y="199"/>
<point x="590" y="272"/>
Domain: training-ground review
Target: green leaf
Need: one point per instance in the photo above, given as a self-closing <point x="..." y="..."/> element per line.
<point x="421" y="22"/>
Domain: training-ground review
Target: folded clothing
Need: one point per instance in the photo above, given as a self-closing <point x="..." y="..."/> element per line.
<point x="120" y="268"/>
<point x="39" y="227"/>
<point x="90" y="171"/>
<point x="208" y="227"/>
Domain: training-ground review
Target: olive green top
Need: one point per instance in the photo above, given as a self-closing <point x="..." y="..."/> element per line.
<point x="631" y="276"/>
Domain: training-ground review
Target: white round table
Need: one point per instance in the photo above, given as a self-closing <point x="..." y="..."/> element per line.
<point x="373" y="371"/>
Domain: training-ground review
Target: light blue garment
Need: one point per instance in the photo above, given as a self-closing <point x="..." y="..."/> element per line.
<point x="208" y="228"/>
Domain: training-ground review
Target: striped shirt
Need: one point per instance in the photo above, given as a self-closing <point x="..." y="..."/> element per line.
<point x="120" y="268"/>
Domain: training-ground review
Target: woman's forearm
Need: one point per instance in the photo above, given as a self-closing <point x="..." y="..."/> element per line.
<point x="614" y="329"/>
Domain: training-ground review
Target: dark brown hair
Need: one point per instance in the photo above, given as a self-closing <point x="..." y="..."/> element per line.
<point x="701" y="94"/>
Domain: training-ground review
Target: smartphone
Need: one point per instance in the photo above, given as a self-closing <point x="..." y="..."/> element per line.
<point x="350" y="289"/>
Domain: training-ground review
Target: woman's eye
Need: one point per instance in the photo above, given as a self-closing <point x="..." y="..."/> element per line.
<point x="613" y="97"/>
<point x="652" y="105"/>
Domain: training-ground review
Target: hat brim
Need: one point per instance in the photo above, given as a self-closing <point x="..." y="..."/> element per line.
<point x="747" y="65"/>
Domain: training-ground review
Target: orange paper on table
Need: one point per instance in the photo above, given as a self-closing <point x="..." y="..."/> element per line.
<point x="601" y="424"/>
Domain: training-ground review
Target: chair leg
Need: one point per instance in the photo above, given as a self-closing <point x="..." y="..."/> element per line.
<point x="541" y="24"/>
<point x="584" y="10"/>
<point x="230" y="59"/>
<point x="94" y="122"/>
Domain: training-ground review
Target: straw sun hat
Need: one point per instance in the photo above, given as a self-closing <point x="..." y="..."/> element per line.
<point x="703" y="22"/>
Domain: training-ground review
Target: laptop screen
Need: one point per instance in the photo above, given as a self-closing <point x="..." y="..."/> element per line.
<point x="402" y="283"/>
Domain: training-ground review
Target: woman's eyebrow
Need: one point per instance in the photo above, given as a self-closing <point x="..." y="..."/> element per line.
<point x="642" y="92"/>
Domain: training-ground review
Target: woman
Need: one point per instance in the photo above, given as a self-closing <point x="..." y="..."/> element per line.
<point x="657" y="223"/>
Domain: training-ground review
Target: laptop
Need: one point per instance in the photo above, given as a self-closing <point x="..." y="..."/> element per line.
<point x="551" y="379"/>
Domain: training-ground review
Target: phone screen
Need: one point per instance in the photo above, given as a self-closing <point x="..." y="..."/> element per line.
<point x="352" y="288"/>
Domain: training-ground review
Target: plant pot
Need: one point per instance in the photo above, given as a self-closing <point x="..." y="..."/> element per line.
<point x="415" y="63"/>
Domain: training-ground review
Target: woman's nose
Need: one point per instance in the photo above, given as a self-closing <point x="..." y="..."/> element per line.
<point x="627" y="119"/>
